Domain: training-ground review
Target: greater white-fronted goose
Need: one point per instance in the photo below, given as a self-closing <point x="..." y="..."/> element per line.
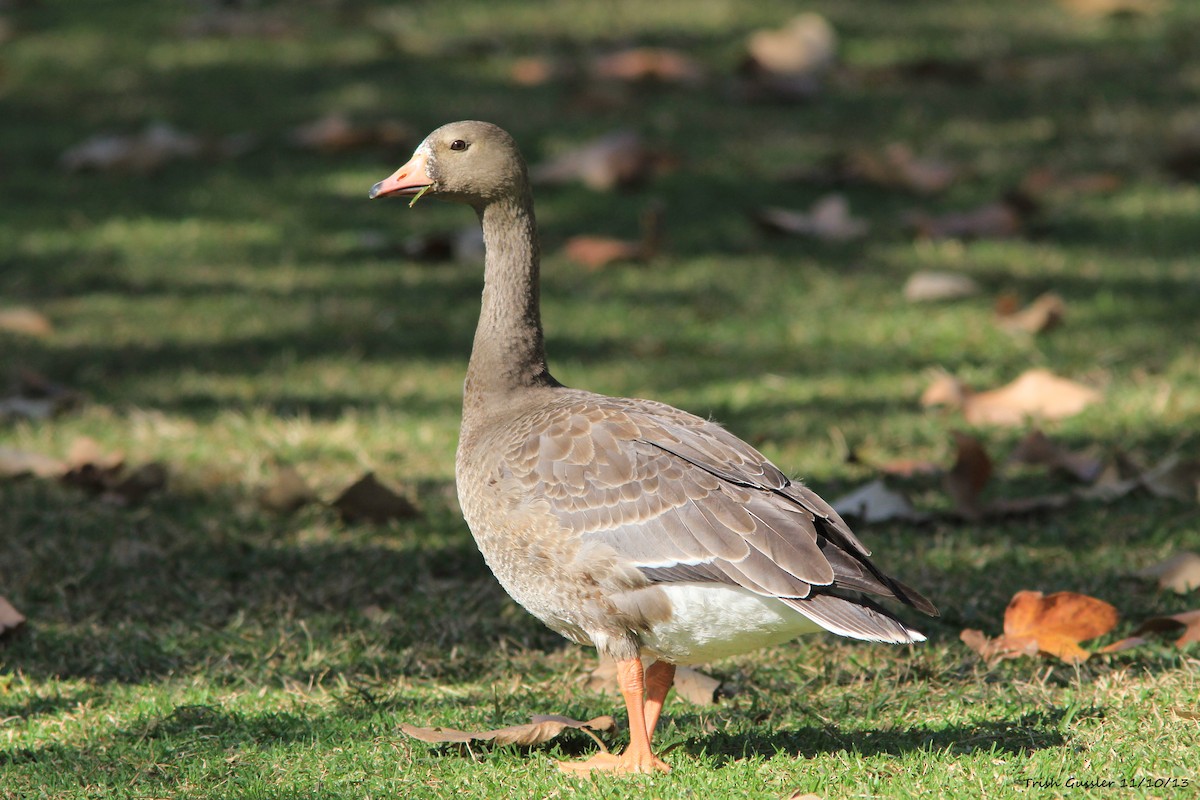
<point x="626" y="524"/>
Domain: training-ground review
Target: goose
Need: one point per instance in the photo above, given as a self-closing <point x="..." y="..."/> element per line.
<point x="626" y="524"/>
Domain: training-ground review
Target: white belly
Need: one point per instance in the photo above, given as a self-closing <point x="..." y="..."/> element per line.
<point x="713" y="621"/>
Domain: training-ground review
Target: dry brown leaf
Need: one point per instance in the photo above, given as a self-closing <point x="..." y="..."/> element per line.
<point x="971" y="471"/>
<point x="25" y="321"/>
<point x="1188" y="622"/>
<point x="368" y="499"/>
<point x="336" y="133"/>
<point x="1180" y="573"/>
<point x="1036" y="393"/>
<point x="19" y="463"/>
<point x="648" y="64"/>
<point x="1058" y="622"/>
<point x="791" y="62"/>
<point x="137" y="485"/>
<point x="1184" y="713"/>
<point x="1043" y="182"/>
<point x="1038" y="449"/>
<point x="617" y="159"/>
<point x="1174" y="477"/>
<point x="876" y="502"/>
<point x="931" y="285"/>
<point x="10" y="618"/>
<point x="829" y="220"/>
<point x="897" y="167"/>
<point x="287" y="493"/>
<point x="541" y="729"/>
<point x="536" y="71"/>
<point x="999" y="220"/>
<point x="595" y="252"/>
<point x="1043" y="314"/>
<point x="998" y="649"/>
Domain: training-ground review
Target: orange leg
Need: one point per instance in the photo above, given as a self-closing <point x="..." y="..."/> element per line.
<point x="659" y="677"/>
<point x="637" y="757"/>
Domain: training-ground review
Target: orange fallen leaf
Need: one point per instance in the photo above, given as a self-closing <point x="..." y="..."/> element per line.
<point x="1045" y="313"/>
<point x="1058" y="622"/>
<point x="829" y="220"/>
<point x="368" y="499"/>
<point x="971" y="471"/>
<point x="542" y="728"/>
<point x="1036" y="393"/>
<point x="595" y="252"/>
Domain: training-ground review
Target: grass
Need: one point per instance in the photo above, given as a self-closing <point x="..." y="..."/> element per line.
<point x="222" y="316"/>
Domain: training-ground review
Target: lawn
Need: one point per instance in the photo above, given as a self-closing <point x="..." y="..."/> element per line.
<point x="225" y="314"/>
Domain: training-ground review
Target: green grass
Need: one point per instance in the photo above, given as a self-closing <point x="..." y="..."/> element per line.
<point x="222" y="316"/>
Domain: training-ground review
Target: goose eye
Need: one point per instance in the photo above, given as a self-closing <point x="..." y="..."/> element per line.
<point x="458" y="144"/>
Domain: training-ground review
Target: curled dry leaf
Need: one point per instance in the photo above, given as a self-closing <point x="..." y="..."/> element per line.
<point x="829" y="220"/>
<point x="1036" y="393"/>
<point x="595" y="252"/>
<point x="10" y="618"/>
<point x="1043" y="314"/>
<point x="25" y="321"/>
<point x="971" y="471"/>
<point x="1055" y="624"/>
<point x="648" y="64"/>
<point x="876" y="502"/>
<point x="1038" y="449"/>
<point x="541" y="729"/>
<point x="617" y="159"/>
<point x="1180" y="573"/>
<point x="1186" y="623"/>
<point x="928" y="286"/>
<point x="368" y="499"/>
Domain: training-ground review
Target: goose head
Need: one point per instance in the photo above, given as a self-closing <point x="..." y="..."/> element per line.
<point x="469" y="162"/>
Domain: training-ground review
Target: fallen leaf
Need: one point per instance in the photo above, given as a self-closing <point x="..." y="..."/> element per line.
<point x="34" y="396"/>
<point x="829" y="220"/>
<point x="1038" y="449"/>
<point x="1184" y="713"/>
<point x="153" y="148"/>
<point x="692" y="685"/>
<point x="336" y="133"/>
<point x="1180" y="573"/>
<point x="536" y="71"/>
<point x="368" y="499"/>
<point x="19" y="463"/>
<point x="1036" y="393"/>
<point x="800" y="794"/>
<point x="898" y="167"/>
<point x="1058" y="622"/>
<point x="876" y="502"/>
<point x="287" y="493"/>
<point x="930" y="286"/>
<point x="998" y="649"/>
<point x="999" y="220"/>
<point x="648" y="64"/>
<point x="616" y="160"/>
<point x="10" y="618"/>
<point x="1188" y="622"/>
<point x="1174" y="477"/>
<point x="25" y="321"/>
<point x="971" y="471"/>
<point x="791" y="62"/>
<point x="542" y="728"/>
<point x="1043" y="314"/>
<point x="137" y="485"/>
<point x="595" y="252"/>
<point x="1043" y="182"/>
